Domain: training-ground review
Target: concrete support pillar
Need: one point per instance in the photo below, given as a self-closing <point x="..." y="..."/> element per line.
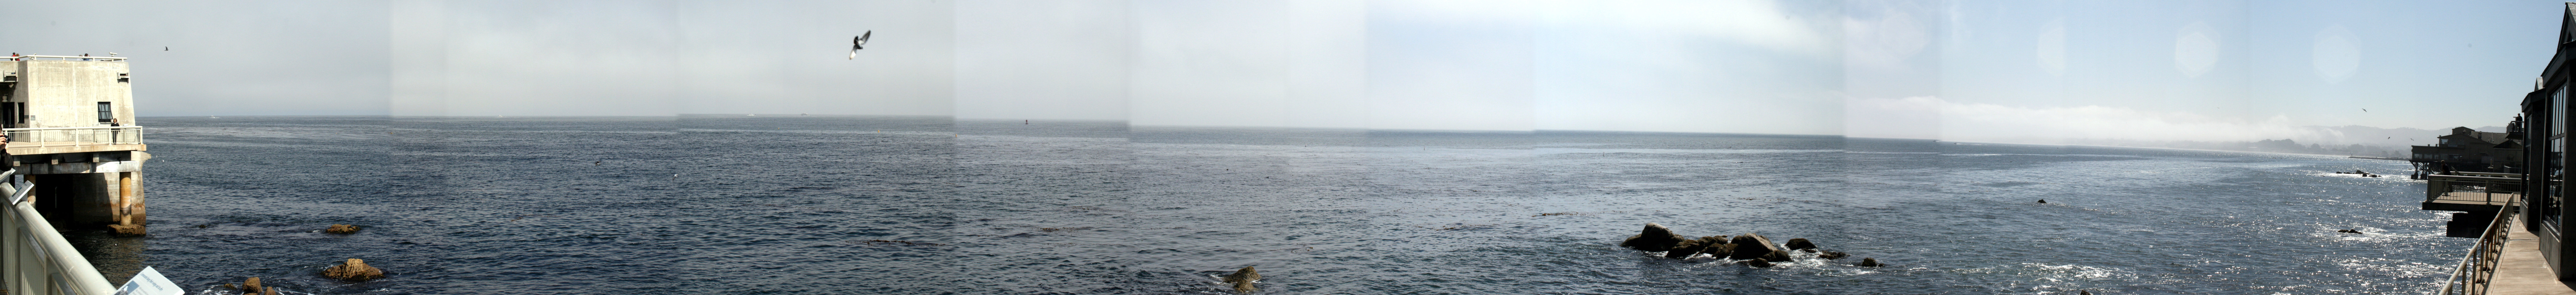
<point x="129" y="192"/>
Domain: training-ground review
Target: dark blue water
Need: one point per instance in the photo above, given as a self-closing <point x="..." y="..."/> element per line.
<point x="793" y="205"/>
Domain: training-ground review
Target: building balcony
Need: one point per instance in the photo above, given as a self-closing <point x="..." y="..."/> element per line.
<point x="31" y="141"/>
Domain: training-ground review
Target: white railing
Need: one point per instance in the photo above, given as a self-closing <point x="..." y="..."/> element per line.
<point x="37" y="259"/>
<point x="74" y="136"/>
<point x="62" y="57"/>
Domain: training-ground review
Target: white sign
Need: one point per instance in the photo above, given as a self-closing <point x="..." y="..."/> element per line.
<point x="149" y="282"/>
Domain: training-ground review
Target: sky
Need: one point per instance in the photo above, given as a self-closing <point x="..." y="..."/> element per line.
<point x="2000" y="71"/>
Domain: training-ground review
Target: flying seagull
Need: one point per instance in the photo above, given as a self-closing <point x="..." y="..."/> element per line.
<point x="165" y="48"/>
<point x="856" y="42"/>
<point x="2365" y="110"/>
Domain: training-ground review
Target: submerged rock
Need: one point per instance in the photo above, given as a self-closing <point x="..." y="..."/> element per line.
<point x="1832" y="255"/>
<point x="1655" y="238"/>
<point x="1800" y="244"/>
<point x="1868" y="262"/>
<point x="1757" y="263"/>
<point x="1242" y="280"/>
<point x="2348" y="231"/>
<point x="354" y="270"/>
<point x="341" y="229"/>
<point x="126" y="230"/>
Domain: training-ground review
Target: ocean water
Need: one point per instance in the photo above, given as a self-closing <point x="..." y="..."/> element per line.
<point x="930" y="205"/>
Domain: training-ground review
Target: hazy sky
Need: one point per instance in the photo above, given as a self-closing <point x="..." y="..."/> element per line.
<point x="2020" y="71"/>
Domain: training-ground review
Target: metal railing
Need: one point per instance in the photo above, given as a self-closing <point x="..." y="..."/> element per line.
<point x="2492" y="188"/>
<point x="2477" y="271"/>
<point x="74" y="136"/>
<point x="62" y="57"/>
<point x="37" y="259"/>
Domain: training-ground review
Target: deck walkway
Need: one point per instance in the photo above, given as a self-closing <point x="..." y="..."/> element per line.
<point x="2522" y="270"/>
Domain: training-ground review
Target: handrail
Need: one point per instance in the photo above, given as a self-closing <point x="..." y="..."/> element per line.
<point x="39" y="260"/>
<point x="66" y="56"/>
<point x="2459" y="177"/>
<point x="2477" y="271"/>
<point x="73" y="136"/>
<point x="2438" y="186"/>
<point x="70" y="128"/>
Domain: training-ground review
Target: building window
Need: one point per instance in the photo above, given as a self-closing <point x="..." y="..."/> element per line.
<point x="105" y="113"/>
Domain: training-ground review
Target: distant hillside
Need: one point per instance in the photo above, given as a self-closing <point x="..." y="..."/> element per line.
<point x="2350" y="140"/>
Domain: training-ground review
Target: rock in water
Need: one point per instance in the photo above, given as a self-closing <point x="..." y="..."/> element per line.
<point x="1800" y="244"/>
<point x="1868" y="262"/>
<point x="268" y="291"/>
<point x="1242" y="279"/>
<point x="1655" y="238"/>
<point x="1752" y="245"/>
<point x="1777" y="256"/>
<point x="1832" y="255"/>
<point x="2043" y="201"/>
<point x="251" y="285"/>
<point x="126" y="230"/>
<point x="354" y="270"/>
<point x="341" y="229"/>
<point x="1245" y="287"/>
<point x="1686" y="249"/>
<point x="1721" y="251"/>
<point x="2084" y="292"/>
<point x="1757" y="263"/>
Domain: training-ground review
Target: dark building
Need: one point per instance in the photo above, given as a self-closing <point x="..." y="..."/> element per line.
<point x="2540" y="203"/>
<point x="2468" y="150"/>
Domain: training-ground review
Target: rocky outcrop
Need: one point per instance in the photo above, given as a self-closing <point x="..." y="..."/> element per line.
<point x="251" y="285"/>
<point x="1868" y="262"/>
<point x="1655" y="238"/>
<point x="1686" y="249"/>
<point x="1722" y="250"/>
<point x="1800" y="244"/>
<point x="341" y="229"/>
<point x="353" y="270"/>
<point x="1752" y="245"/>
<point x="126" y="230"/>
<point x="1777" y="256"/>
<point x="1242" y="280"/>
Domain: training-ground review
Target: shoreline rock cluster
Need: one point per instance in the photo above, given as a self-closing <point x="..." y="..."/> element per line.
<point x="1751" y="248"/>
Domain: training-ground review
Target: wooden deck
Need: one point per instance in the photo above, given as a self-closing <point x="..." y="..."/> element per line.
<point x="2469" y="201"/>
